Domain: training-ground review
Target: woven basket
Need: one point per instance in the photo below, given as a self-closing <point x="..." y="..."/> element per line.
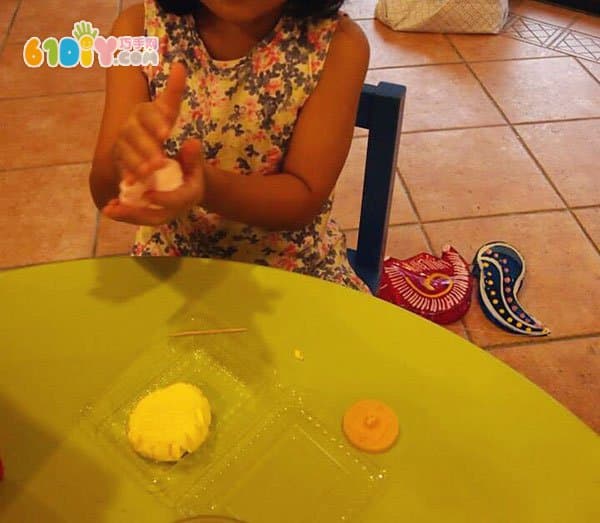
<point x="444" y="16"/>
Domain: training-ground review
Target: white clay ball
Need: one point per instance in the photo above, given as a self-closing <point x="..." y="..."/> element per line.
<point x="167" y="178"/>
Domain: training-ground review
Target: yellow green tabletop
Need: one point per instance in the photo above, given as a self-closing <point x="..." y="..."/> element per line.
<point x="478" y="442"/>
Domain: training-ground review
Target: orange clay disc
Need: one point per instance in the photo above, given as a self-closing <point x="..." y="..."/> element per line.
<point x="371" y="426"/>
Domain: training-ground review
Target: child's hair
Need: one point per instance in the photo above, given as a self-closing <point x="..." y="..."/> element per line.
<point x="296" y="8"/>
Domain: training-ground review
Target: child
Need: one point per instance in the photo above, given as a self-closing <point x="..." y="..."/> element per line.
<point x="257" y="100"/>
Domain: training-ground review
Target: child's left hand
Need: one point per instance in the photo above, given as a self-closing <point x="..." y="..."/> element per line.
<point x="173" y="203"/>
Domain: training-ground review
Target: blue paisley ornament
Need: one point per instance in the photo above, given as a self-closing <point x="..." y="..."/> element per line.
<point x="500" y="270"/>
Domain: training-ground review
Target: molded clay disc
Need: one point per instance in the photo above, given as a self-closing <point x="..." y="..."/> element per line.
<point x="371" y="426"/>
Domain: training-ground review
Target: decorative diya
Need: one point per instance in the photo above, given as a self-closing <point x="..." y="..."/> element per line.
<point x="438" y="289"/>
<point x="500" y="269"/>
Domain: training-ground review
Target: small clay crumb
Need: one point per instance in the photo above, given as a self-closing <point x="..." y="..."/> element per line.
<point x="299" y="355"/>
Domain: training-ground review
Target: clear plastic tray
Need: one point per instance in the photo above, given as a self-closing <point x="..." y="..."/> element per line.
<point x="267" y="458"/>
<point x="233" y="406"/>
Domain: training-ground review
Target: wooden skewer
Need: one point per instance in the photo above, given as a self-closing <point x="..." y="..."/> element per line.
<point x="204" y="332"/>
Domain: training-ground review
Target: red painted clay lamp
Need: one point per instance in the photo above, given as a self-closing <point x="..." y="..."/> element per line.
<point x="438" y="289"/>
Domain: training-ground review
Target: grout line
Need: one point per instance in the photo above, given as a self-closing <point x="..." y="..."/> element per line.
<point x="584" y="207"/>
<point x="538" y="122"/>
<point x="46" y="166"/>
<point x="407" y="66"/>
<point x="425" y="234"/>
<point x="559" y="54"/>
<point x="488" y="216"/>
<point x="585" y="232"/>
<point x="497" y="125"/>
<point x="408" y="195"/>
<point x="10" y="99"/>
<point x="516" y="133"/>
<point x="10" y="24"/>
<point x="41" y="263"/>
<point x="578" y="60"/>
<point x="533" y="157"/>
<point x="543" y="341"/>
<point x="488" y="126"/>
<point x="390" y="226"/>
<point x="554" y="186"/>
<point x="494" y="215"/>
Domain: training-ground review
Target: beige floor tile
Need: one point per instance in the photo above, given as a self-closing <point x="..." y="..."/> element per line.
<point x="590" y="218"/>
<point x="7" y="11"/>
<point x="348" y="197"/>
<point x="472" y="172"/>
<point x="18" y="80"/>
<point x="43" y="18"/>
<point x="497" y="47"/>
<point x="49" y="130"/>
<point x="561" y="287"/>
<point x="392" y="49"/>
<point x="528" y="90"/>
<point x="569" y="153"/>
<point x="567" y="370"/>
<point x="360" y="8"/>
<point x="545" y="12"/>
<point x="47" y="215"/>
<point x="440" y="97"/>
<point x="403" y="241"/>
<point x="114" y="237"/>
<point x="587" y="24"/>
<point x="592" y="67"/>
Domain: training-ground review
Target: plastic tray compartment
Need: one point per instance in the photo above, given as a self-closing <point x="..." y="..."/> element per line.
<point x="235" y="410"/>
<point x="291" y="469"/>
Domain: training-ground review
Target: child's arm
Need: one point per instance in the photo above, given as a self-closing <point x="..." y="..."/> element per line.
<point x="125" y="88"/>
<point x="319" y="146"/>
<point x="318" y="149"/>
<point x="317" y="152"/>
<point x="124" y="142"/>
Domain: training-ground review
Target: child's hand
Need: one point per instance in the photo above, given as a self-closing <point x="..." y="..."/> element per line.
<point x="138" y="150"/>
<point x="173" y="203"/>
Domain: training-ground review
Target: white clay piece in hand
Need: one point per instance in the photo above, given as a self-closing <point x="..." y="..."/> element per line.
<point x="167" y="178"/>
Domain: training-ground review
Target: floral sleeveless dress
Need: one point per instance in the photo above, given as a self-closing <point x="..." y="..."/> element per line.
<point x="244" y="112"/>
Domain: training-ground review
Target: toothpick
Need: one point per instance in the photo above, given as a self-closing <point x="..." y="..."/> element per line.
<point x="205" y="332"/>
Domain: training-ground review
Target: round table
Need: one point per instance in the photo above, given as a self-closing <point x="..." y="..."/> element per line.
<point x="478" y="442"/>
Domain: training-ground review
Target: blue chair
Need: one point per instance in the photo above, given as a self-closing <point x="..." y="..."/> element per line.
<point x="380" y="111"/>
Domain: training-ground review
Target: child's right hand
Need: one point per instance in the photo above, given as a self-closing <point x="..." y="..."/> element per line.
<point x="138" y="150"/>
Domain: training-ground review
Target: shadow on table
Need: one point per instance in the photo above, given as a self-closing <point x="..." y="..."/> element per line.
<point x="113" y="285"/>
<point x="202" y="308"/>
<point x="41" y="473"/>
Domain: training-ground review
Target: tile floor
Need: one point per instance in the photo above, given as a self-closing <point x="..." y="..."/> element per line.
<point x="501" y="141"/>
